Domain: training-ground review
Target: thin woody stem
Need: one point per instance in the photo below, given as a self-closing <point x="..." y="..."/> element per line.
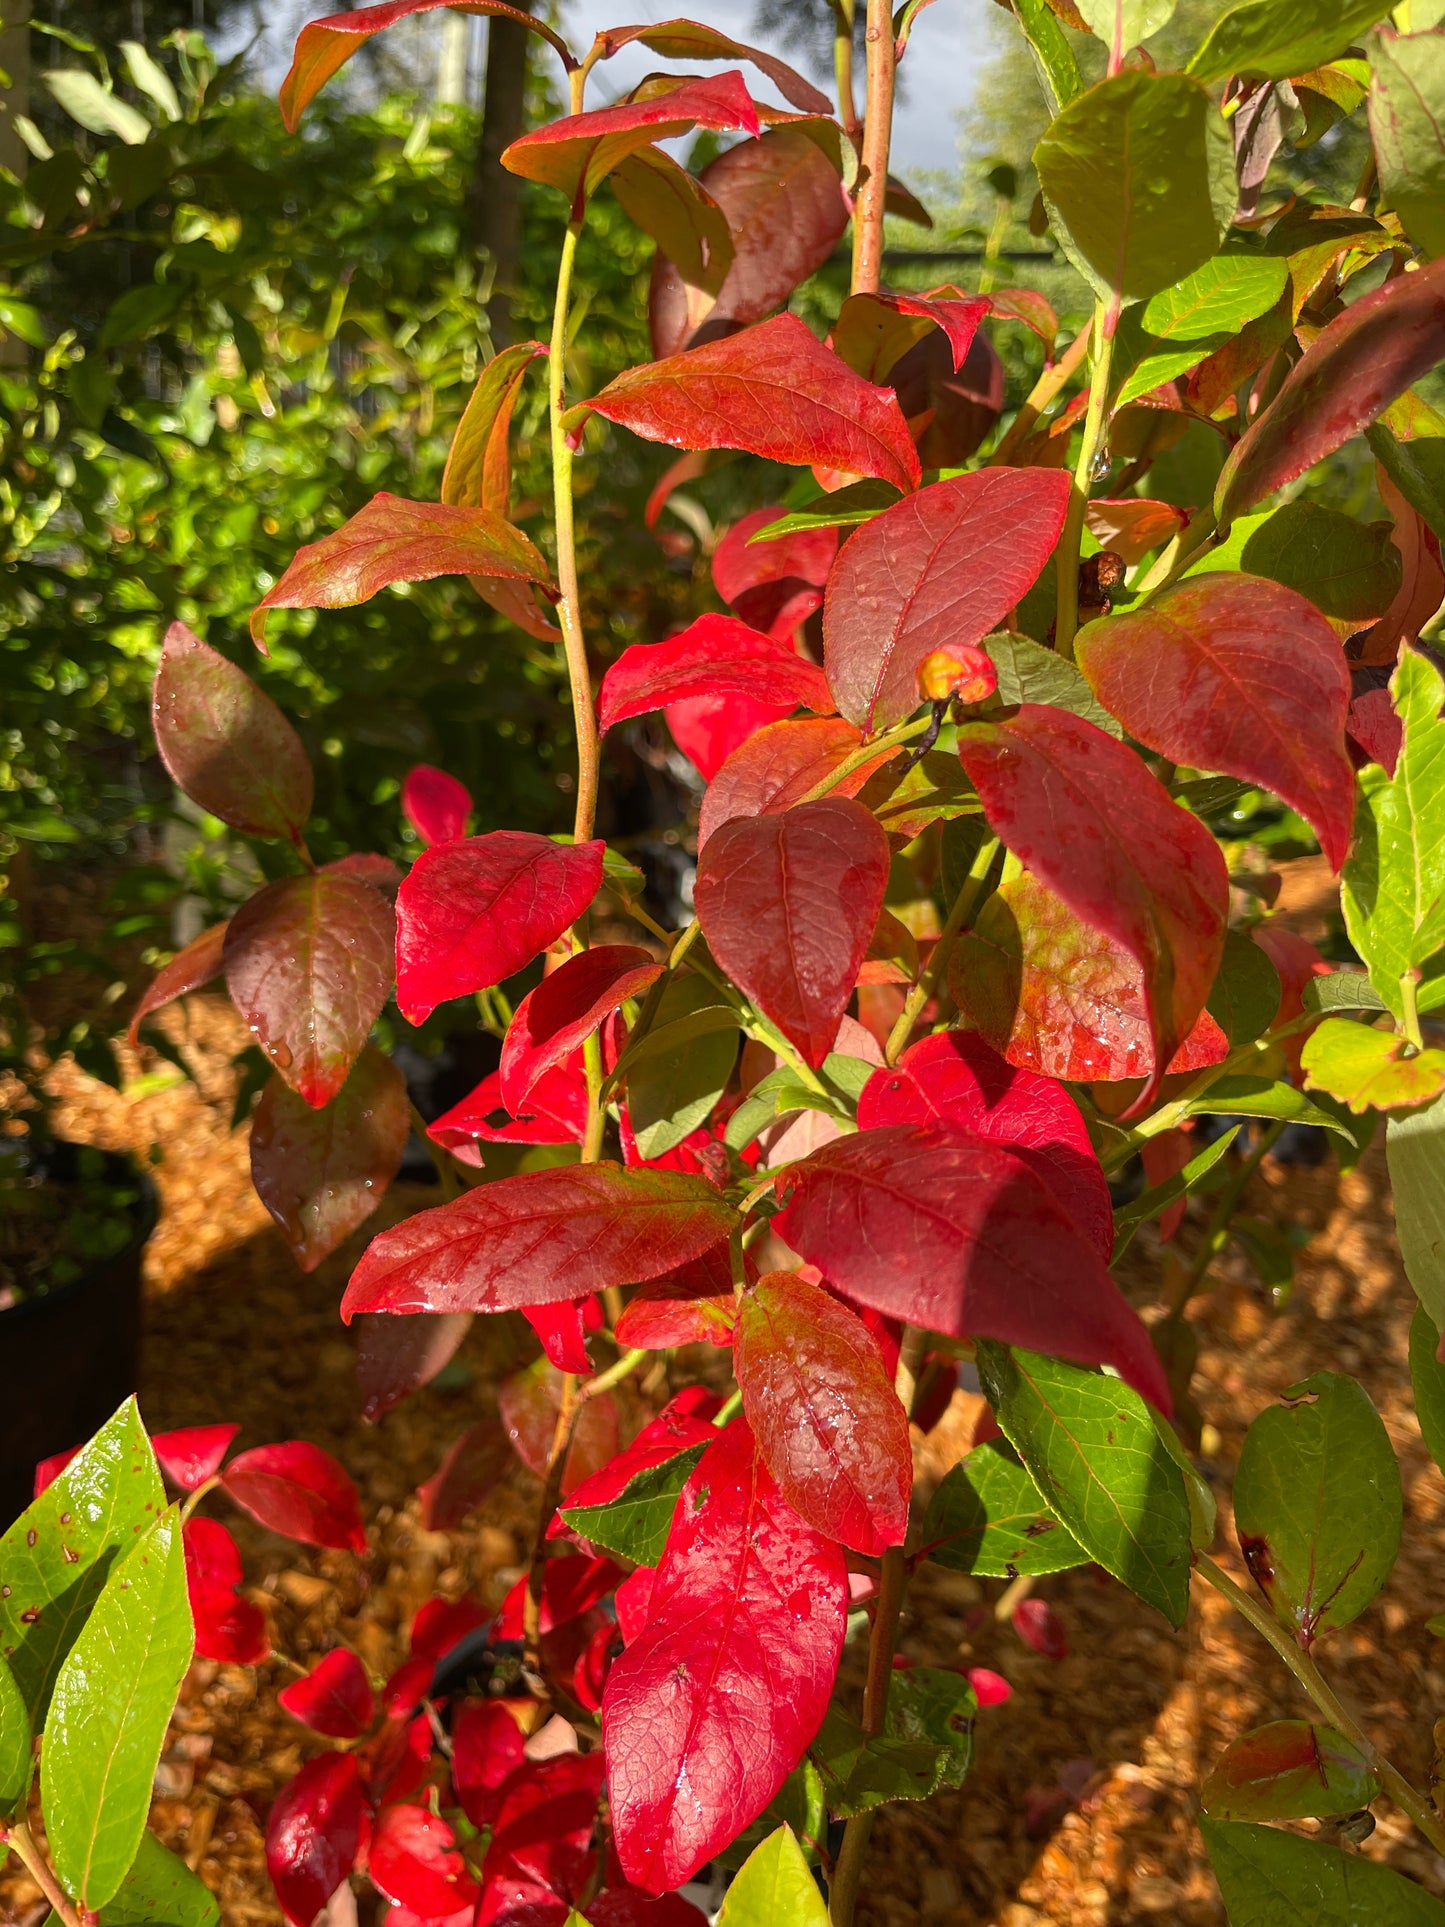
<point x="877" y="137"/>
<point x="1067" y="619"/>
<point x="890" y="740"/>
<point x="27" y="1852"/>
<point x="569" y="612"/>
<point x="1054" y="377"/>
<point x="551" y="1493"/>
<point x="843" y="68"/>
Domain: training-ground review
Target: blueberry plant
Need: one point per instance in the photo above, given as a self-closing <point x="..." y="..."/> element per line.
<point x="974" y="937"/>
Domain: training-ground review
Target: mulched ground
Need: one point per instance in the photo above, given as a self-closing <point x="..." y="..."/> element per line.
<point x="1082" y="1804"/>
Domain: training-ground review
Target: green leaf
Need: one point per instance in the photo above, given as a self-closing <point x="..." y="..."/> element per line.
<point x="1246" y="992"/>
<point x="59" y="1553"/>
<point x="1270" y="1252"/>
<point x="95" y="107"/>
<point x="1408" y="441"/>
<point x="1272" y="39"/>
<point x="1058" y="70"/>
<point x="150" y="78"/>
<point x="1289" y="1770"/>
<point x="1415" y="1153"/>
<point x="1243" y="1096"/>
<point x="1274" y="1879"/>
<point x="1407" y="123"/>
<point x="780" y="1095"/>
<point x="987" y="1517"/>
<point x="1203" y="1506"/>
<point x="636" y="1523"/>
<point x="1367" y="1068"/>
<point x="159" y="1891"/>
<point x="1341" y="990"/>
<point x="1427" y="1377"/>
<point x="1317" y="1504"/>
<point x="108" y="1715"/>
<point x="1090" y="1444"/>
<point x="775" y="1885"/>
<point x="682" y="1066"/>
<point x="1129" y="1217"/>
<point x="1122" y="24"/>
<point x="846" y="508"/>
<point x="1138" y="178"/>
<point x="15" y="1746"/>
<point x="1180" y="325"/>
<point x="1347" y="568"/>
<point x="927" y="1744"/>
<point x="1029" y="673"/>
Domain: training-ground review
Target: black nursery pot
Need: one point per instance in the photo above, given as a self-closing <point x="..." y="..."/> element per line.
<point x="68" y="1358"/>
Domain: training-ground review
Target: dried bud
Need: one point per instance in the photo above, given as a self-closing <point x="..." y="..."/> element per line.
<point x="962" y="671"/>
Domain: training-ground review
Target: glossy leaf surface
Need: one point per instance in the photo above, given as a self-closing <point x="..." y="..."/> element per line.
<point x="874" y="330"/>
<point x="1370" y="1069"/>
<point x="1407" y="125"/>
<point x="394" y="1360"/>
<point x="926" y="1744"/>
<point x="566" y="1007"/>
<point x="15" y="1745"/>
<point x="228" y="1628"/>
<point x="682" y="1066"/>
<point x="777" y="584"/>
<point x="478" y="473"/>
<point x="334" y="1698"/>
<point x="194" y="1454"/>
<point x="774" y="1884"/>
<point x="300" y="1491"/>
<point x="716" y="655"/>
<point x="1262" y="1871"/>
<point x="413" y="1860"/>
<point x="1288" y="1770"/>
<point x="435" y="804"/>
<point x="1272" y="39"/>
<point x="694" y="40"/>
<point x="627" y="1507"/>
<point x="988" y="1517"/>
<point x="312" y="1835"/>
<point x="577" y="152"/>
<point x="776" y="768"/>
<point x="199" y="963"/>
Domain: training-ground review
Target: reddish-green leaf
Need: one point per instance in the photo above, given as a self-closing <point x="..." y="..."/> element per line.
<point x="529" y="1402"/>
<point x="710" y="1707"/>
<point x="939" y="569"/>
<point x="788" y="904"/>
<point x="673" y="206"/>
<point x="577" y="152"/>
<point x="309" y="966"/>
<point x="510" y="1243"/>
<point x="1240" y="675"/>
<point x="473" y="1467"/>
<point x="300" y="1491"/>
<point x="225" y="742"/>
<point x="478" y="473"/>
<point x="691" y="40"/>
<point x="566" y="1007"/>
<point x="776" y="768"/>
<point x="471" y="913"/>
<point x="394" y="1357"/>
<point x="321" y="1173"/>
<point x="824" y="1412"/>
<point x="198" y="964"/>
<point x="1091" y="822"/>
<point x="777" y="584"/>
<point x="873" y="330"/>
<point x="694" y="1305"/>
<point x="958" y="1235"/>
<point x="325" y="45"/>
<point x="1288" y="1770"/>
<point x="716" y="656"/>
<point x="1349" y="374"/>
<point x="1131" y="527"/>
<point x="393" y="540"/>
<point x="774" y="390"/>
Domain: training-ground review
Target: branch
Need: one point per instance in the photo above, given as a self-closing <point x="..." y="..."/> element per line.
<point x="27" y="1852"/>
<point x="877" y="136"/>
<point x="1067" y="620"/>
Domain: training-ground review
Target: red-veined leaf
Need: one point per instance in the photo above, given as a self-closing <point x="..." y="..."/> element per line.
<point x="715" y="656"/>
<point x="546" y="1819"/>
<point x="435" y="804"/>
<point x="198" y="964"/>
<point x="394" y="1359"/>
<point x="309" y="965"/>
<point x="1132" y="527"/>
<point x="508" y="1244"/>
<point x="775" y="585"/>
<point x="1240" y="675"/>
<point x="691" y="40"/>
<point x="394" y="540"/>
<point x="314" y="1830"/>
<point x="577" y="152"/>
<point x="471" y="913"/>
<point x="225" y="742"/>
<point x="633" y="1600"/>
<point x="334" y="1698"/>
<point x="776" y="767"/>
<point x="474" y="1465"/>
<point x="874" y="330"/>
<point x="824" y="1412"/>
<point x="710" y="1707"/>
<point x="529" y="1402"/>
<point x="478" y="473"/>
<point x="414" y="1860"/>
<point x="487" y="1748"/>
<point x="300" y="1491"/>
<point x="572" y="1584"/>
<point x="957" y="1234"/>
<point x="562" y="1328"/>
<point x="553" y="1020"/>
<point x="786" y="211"/>
<point x="693" y="1305"/>
<point x="957" y="1080"/>
<point x="325" y="45"/>
<point x="228" y="1628"/>
<point x="942" y="568"/>
<point x="787" y="904"/>
<point x="708" y="729"/>
<point x="1349" y="375"/>
<point x="193" y="1454"/>
<point x="1132" y="863"/>
<point x="555" y="1112"/>
<point x="774" y="390"/>
<point x="1023" y="304"/>
<point x="321" y="1173"/>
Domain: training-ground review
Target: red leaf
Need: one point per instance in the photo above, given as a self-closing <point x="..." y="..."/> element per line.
<point x="1240" y="675"/>
<point x="322" y="1173"/>
<point x="1134" y="864"/>
<point x="226" y="743"/>
<point x="309" y="967"/>
<point x="313" y="1833"/>
<point x="193" y="1455"/>
<point x="414" y="1861"/>
<point x="681" y="1424"/>
<point x="228" y="1628"/>
<point x="545" y="1823"/>
<point x="957" y="1080"/>
<point x="708" y="729"/>
<point x="566" y="1007"/>
<point x="472" y="913"/>
<point x="529" y="1402"/>
<point x="300" y="1491"/>
<point x="989" y="1689"/>
<point x="478" y="473"/>
<point x="474" y="1466"/>
<point x="198" y="964"/>
<point x="1164" y="1157"/>
<point x="571" y="1586"/>
<point x="625" y="1907"/>
<point x="436" y="805"/>
<point x="509" y="1899"/>
<point x="506" y="1244"/>
<point x="942" y="568"/>
<point x="634" y="1603"/>
<point x="774" y="390"/>
<point x="786" y="211"/>
<point x="334" y="1698"/>
<point x="1039" y="1626"/>
<point x="441" y="1624"/>
<point x="716" y="656"/>
<point x="487" y="1748"/>
<point x="563" y="1333"/>
<point x="959" y="1235"/>
<point x="773" y="585"/>
<point x="394" y="1359"/>
<point x="579" y="151"/>
<point x="710" y="1707"/>
<point x="776" y="767"/>
<point x="554" y="1112"/>
<point x="788" y="904"/>
<point x="691" y="1306"/>
<point x="325" y="45"/>
<point x="394" y="540"/>
<point x="1132" y="527"/>
<point x="873" y="330"/>
<point x="1349" y="374"/>
<point x="691" y="40"/>
<point x="824" y="1412"/>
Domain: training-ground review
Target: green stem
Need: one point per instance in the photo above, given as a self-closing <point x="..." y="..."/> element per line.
<point x="1410" y="1000"/>
<point x="1302" y="1665"/>
<point x="1040" y="395"/>
<point x="569" y="607"/>
<point x="614" y="1375"/>
<point x="1066" y="622"/>
<point x="1171" y="560"/>
<point x="890" y="740"/>
<point x="959" y="918"/>
<point x="1216" y="1235"/>
<point x="843" y="68"/>
<point x="731" y="1406"/>
<point x="596" y="1108"/>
